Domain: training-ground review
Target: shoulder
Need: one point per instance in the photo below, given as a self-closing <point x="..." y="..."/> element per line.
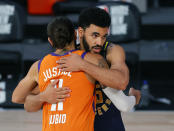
<point x="33" y="71"/>
<point x="112" y="47"/>
<point x="115" y="52"/>
<point x="47" y="58"/>
<point x="34" y="66"/>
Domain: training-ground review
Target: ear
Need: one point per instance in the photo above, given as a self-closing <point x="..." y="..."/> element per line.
<point x="50" y="41"/>
<point x="80" y="32"/>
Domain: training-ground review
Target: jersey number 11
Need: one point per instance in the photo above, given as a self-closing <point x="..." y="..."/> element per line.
<point x="60" y="104"/>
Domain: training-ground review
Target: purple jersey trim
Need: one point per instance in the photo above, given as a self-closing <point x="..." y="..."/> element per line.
<point x="83" y="55"/>
<point x="39" y="64"/>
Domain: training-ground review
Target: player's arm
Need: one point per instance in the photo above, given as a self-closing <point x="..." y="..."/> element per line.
<point x="116" y="77"/>
<point x="120" y="72"/>
<point x="22" y="92"/>
<point x="33" y="102"/>
<point x="28" y="92"/>
<point x="51" y="95"/>
<point x="119" y="99"/>
<point x="26" y="85"/>
<point x="95" y="60"/>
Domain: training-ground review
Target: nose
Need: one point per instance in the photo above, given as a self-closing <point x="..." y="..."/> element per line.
<point x="99" y="41"/>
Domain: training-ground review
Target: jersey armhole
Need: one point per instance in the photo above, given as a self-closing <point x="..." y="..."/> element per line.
<point x="39" y="63"/>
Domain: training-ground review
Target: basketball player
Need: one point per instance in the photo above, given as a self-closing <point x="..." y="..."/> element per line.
<point x="92" y="34"/>
<point x="78" y="111"/>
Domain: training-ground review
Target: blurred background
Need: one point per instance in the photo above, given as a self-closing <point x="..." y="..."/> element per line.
<point x="145" y="29"/>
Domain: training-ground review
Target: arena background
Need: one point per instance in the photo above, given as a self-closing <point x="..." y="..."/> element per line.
<point x="145" y="29"/>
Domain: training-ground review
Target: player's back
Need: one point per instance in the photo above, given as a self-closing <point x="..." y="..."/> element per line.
<point x="76" y="113"/>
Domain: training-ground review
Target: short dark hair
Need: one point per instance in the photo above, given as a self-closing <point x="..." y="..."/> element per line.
<point x="61" y="32"/>
<point x="94" y="15"/>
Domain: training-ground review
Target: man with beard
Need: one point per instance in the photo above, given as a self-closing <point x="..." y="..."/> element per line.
<point x="93" y="29"/>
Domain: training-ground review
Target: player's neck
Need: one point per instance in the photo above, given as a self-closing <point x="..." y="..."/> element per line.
<point x="81" y="45"/>
<point x="65" y="50"/>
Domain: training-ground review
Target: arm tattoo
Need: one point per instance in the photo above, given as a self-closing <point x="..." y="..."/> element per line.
<point x="110" y="47"/>
<point x="102" y="63"/>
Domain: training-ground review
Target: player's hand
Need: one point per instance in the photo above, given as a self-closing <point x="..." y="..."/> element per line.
<point x="136" y="93"/>
<point x="74" y="62"/>
<point x="54" y="95"/>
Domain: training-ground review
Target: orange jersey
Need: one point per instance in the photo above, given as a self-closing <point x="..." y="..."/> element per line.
<point x="76" y="113"/>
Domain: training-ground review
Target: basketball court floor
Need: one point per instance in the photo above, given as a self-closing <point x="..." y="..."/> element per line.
<point x="19" y="120"/>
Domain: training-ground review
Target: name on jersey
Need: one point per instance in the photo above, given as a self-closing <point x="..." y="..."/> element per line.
<point x="57" y="119"/>
<point x="50" y="73"/>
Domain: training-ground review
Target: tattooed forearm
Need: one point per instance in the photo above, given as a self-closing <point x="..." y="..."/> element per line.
<point x="102" y="63"/>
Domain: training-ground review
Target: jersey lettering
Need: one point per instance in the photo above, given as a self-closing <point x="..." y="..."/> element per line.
<point x="57" y="119"/>
<point x="50" y="73"/>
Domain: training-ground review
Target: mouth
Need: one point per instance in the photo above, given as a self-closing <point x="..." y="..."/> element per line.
<point x="97" y="49"/>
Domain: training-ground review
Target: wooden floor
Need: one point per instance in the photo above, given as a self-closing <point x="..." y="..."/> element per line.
<point x="149" y="121"/>
<point x="19" y="120"/>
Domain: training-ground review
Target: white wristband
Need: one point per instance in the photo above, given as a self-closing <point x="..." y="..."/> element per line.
<point x="119" y="99"/>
